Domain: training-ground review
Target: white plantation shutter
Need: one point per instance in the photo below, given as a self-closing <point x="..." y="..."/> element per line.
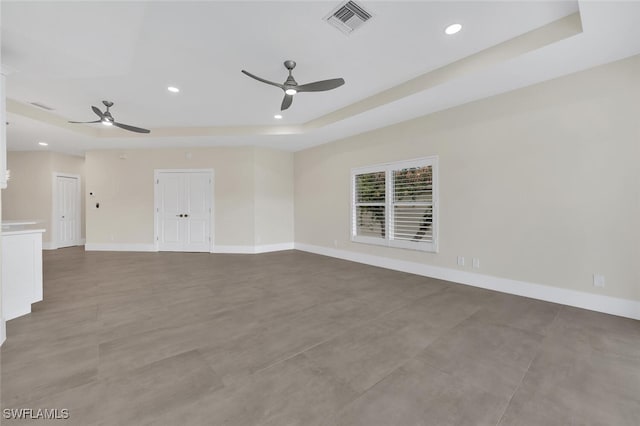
<point x="370" y="205"/>
<point x="413" y="204"/>
<point x="395" y="204"/>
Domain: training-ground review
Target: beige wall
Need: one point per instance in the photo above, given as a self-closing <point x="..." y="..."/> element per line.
<point x="29" y="193"/>
<point x="273" y="196"/>
<point x="541" y="184"/>
<point x="124" y="187"/>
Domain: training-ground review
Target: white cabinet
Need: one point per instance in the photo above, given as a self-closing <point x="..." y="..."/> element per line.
<point x="3" y="134"/>
<point x="21" y="271"/>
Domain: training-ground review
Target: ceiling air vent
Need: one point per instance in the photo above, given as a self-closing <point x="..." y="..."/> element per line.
<point x="348" y="17"/>
<point x="43" y="106"/>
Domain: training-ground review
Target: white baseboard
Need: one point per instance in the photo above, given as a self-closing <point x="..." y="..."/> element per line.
<point x="233" y="249"/>
<point x="264" y="248"/>
<point x="118" y="247"/>
<point x="267" y="248"/>
<point x="594" y="302"/>
<point x="48" y="245"/>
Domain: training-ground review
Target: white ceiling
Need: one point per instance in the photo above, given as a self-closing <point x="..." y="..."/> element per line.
<point x="71" y="55"/>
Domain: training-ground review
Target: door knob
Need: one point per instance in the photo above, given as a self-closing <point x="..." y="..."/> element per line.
<point x="186" y="215"/>
<point x="179" y="215"/>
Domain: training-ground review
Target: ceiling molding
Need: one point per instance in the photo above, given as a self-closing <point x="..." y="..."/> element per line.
<point x="167" y="132"/>
<point x="548" y="34"/>
<point x="38" y="114"/>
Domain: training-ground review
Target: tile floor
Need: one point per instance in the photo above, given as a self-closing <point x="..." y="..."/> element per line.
<point x="292" y="338"/>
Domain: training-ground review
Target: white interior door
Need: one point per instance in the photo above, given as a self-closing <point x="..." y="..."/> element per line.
<point x="67" y="202"/>
<point x="171" y="208"/>
<point x="183" y="211"/>
<point x="197" y="218"/>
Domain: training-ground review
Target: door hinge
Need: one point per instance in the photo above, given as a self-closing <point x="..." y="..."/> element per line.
<point x="157" y="181"/>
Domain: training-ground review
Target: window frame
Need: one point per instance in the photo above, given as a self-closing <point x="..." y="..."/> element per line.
<point x="388" y="169"/>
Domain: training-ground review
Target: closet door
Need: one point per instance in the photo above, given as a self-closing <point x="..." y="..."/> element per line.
<point x="171" y="229"/>
<point x="66" y="205"/>
<point x="198" y="214"/>
<point x="183" y="215"/>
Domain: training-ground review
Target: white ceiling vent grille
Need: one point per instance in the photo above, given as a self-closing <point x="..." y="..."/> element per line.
<point x="348" y="17"/>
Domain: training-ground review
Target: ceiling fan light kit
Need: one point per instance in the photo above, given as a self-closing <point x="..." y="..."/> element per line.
<point x="291" y="87"/>
<point x="107" y="119"/>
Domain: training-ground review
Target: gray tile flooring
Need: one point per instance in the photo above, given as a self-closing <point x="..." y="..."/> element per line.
<point x="292" y="338"/>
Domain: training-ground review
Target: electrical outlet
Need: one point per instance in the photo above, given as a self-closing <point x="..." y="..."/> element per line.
<point x="598" y="280"/>
<point x="460" y="260"/>
<point x="476" y="262"/>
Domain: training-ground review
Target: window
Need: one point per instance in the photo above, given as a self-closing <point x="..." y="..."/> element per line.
<point x="395" y="204"/>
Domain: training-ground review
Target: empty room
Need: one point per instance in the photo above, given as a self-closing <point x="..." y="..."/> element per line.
<point x="332" y="213"/>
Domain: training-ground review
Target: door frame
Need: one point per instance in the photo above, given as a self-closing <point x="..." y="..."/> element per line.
<point x="54" y="228"/>
<point x="156" y="207"/>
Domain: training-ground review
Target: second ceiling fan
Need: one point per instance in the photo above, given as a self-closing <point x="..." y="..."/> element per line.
<point x="107" y="119"/>
<point x="291" y="87"/>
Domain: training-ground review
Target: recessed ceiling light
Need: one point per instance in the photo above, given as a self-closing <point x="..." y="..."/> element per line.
<point x="173" y="89"/>
<point x="452" y="29"/>
<point x="290" y="91"/>
<point x="277" y="117"/>
<point x="43" y="143"/>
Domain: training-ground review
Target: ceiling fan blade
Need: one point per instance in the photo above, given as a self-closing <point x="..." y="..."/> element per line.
<point x="97" y="111"/>
<point x="85" y="122"/>
<point x="286" y="102"/>
<point x="321" y="86"/>
<point x="131" y="128"/>
<point x="263" y="80"/>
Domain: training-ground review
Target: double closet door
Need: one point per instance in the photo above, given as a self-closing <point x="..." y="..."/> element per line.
<point x="183" y="210"/>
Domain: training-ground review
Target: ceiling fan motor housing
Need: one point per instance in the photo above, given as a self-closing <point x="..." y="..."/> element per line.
<point x="290" y="81"/>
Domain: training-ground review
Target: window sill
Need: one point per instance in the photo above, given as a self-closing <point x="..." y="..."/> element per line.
<point x="407" y="245"/>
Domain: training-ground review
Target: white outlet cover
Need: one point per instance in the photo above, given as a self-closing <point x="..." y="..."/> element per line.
<point x="476" y="262"/>
<point x="460" y="261"/>
<point x="598" y="280"/>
